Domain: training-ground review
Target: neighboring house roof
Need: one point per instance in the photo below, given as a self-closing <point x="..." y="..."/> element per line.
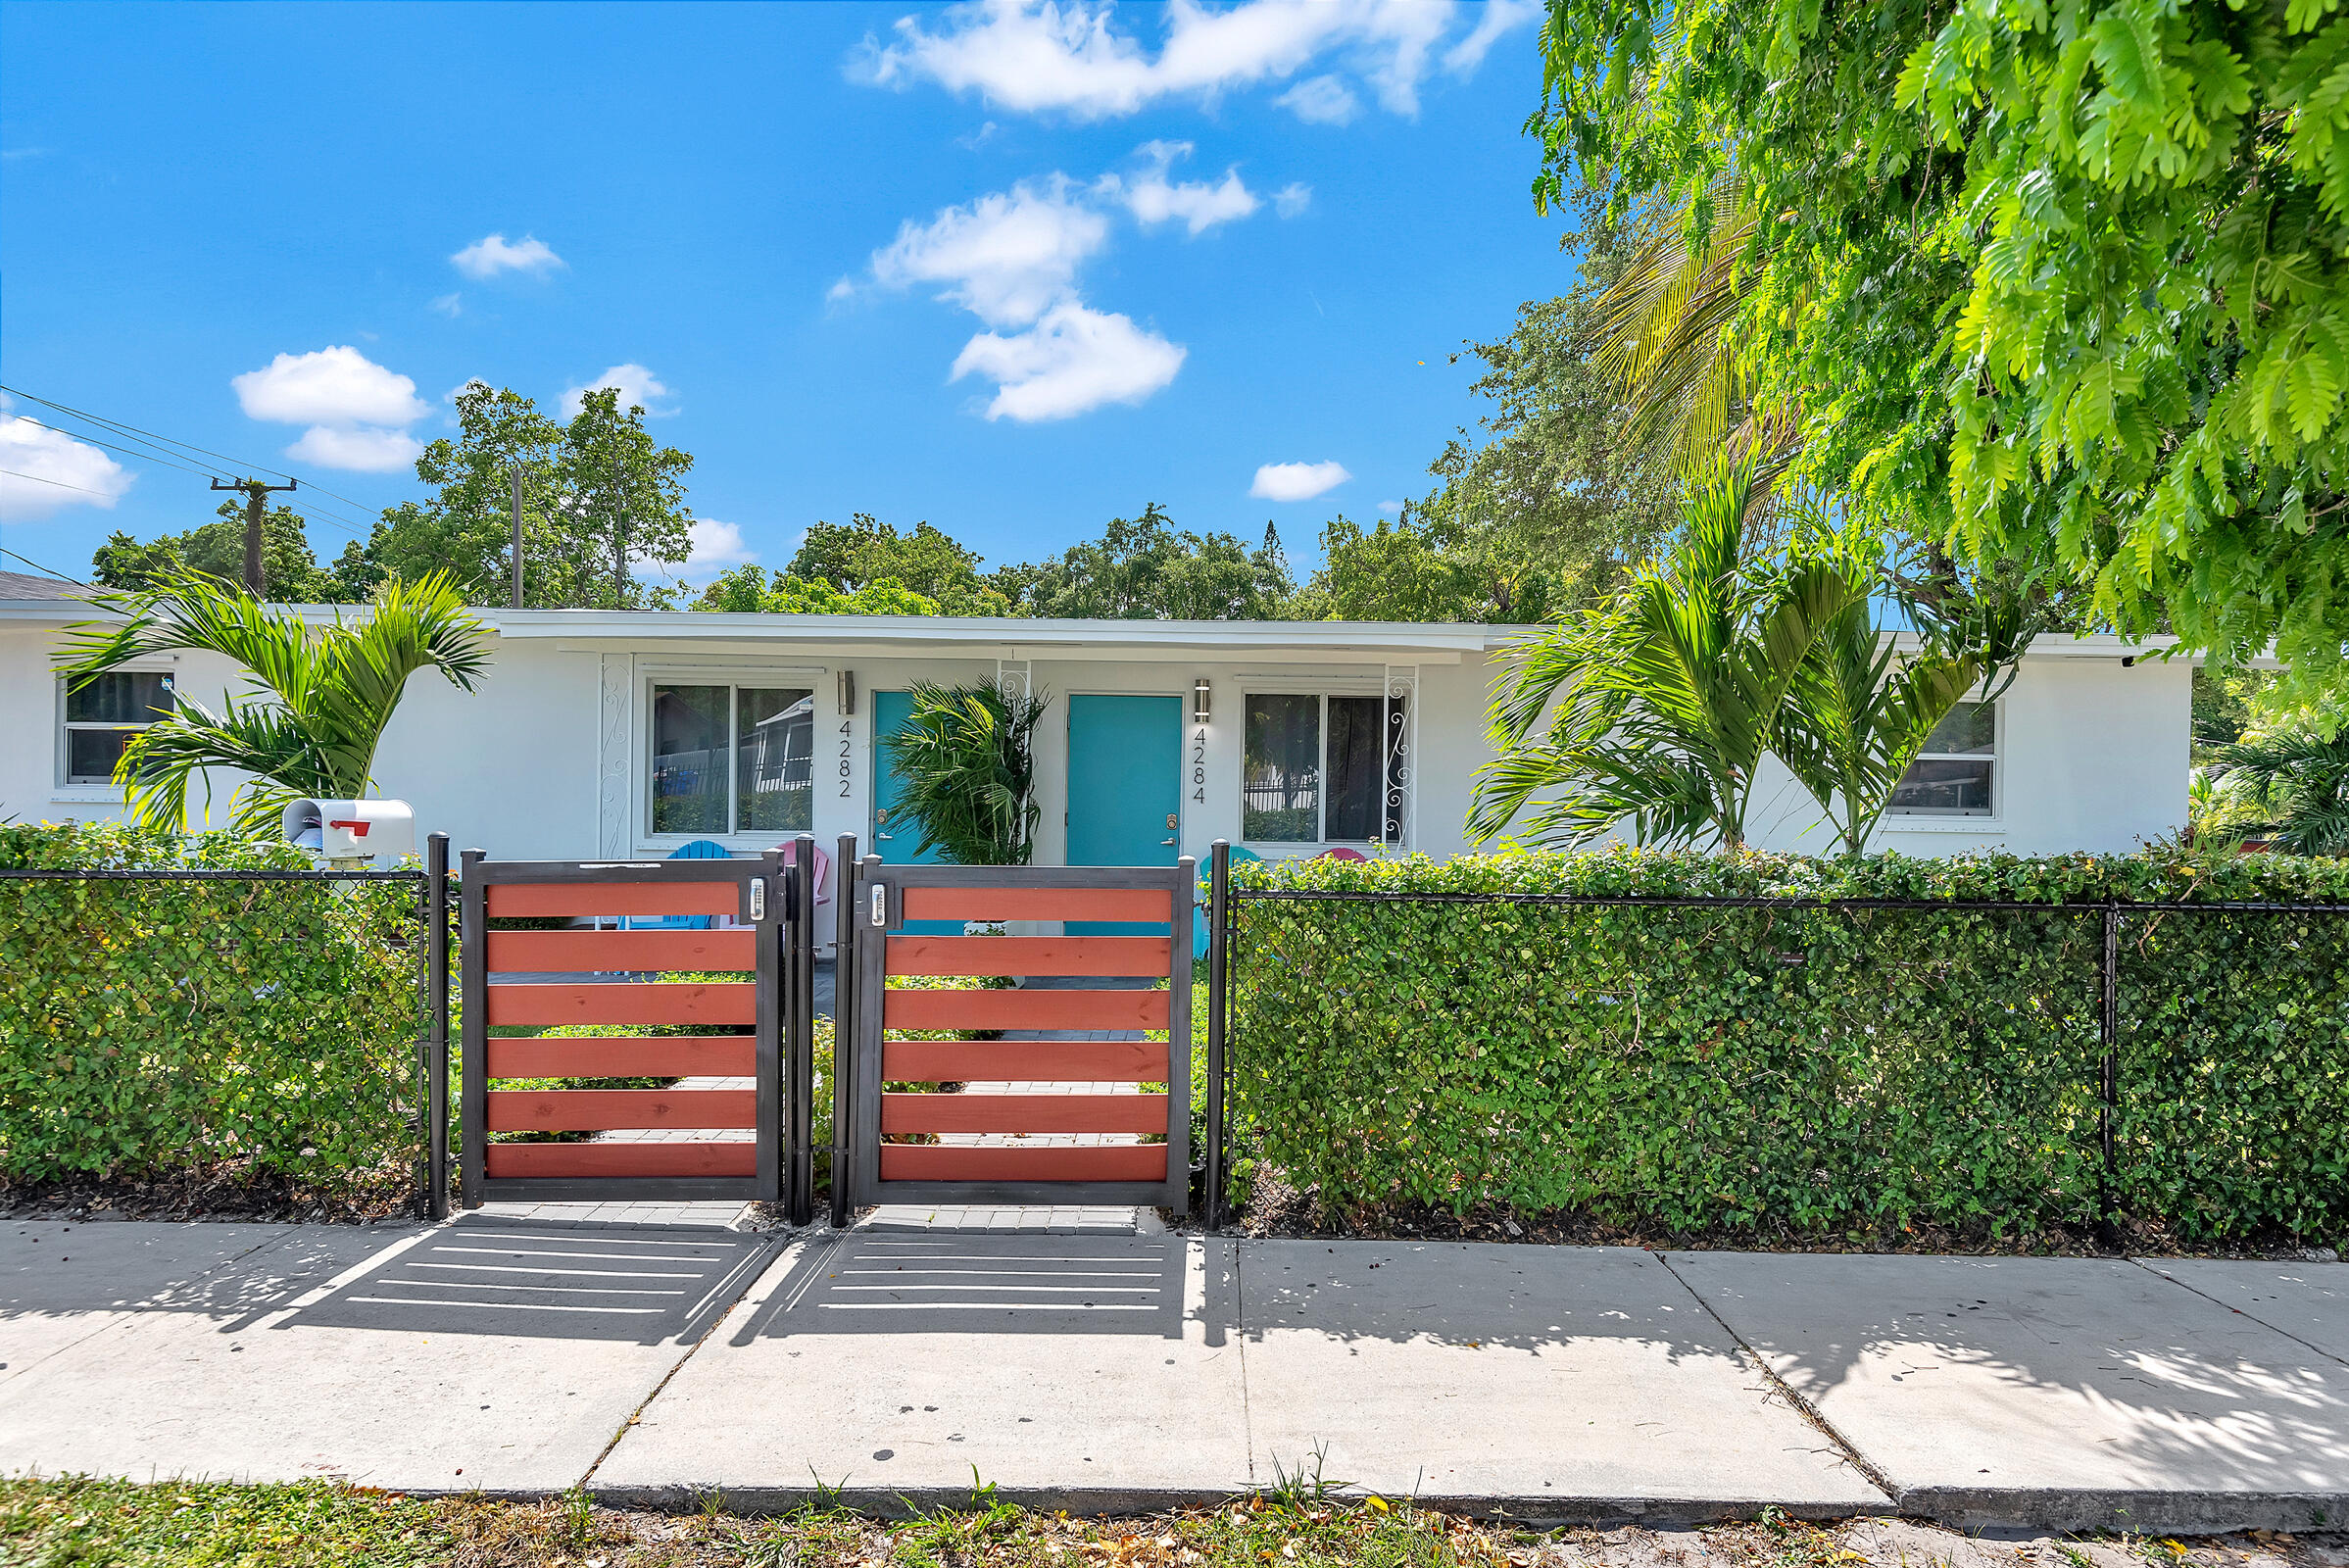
<point x="19" y="585"/>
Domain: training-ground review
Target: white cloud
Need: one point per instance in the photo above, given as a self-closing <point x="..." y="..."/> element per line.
<point x="1297" y="481"/>
<point x="1073" y="361"/>
<point x="1006" y="258"/>
<point x="337" y="385"/>
<point x="355" y="448"/>
<point x="1493" y="19"/>
<point x="447" y="303"/>
<point x="47" y="470"/>
<point x="357" y="410"/>
<point x="638" y="386"/>
<point x="1154" y="199"/>
<point x="493" y="253"/>
<point x="1391" y="506"/>
<point x="1065" y="55"/>
<point x="1292" y="198"/>
<point x="1321" y="101"/>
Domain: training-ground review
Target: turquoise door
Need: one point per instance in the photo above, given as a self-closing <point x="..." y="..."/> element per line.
<point x="895" y="841"/>
<point x="1125" y="789"/>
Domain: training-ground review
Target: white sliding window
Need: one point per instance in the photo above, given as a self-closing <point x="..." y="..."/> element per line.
<point x="731" y="759"/>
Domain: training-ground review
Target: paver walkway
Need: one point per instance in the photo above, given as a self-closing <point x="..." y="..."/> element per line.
<point x="1095" y="1365"/>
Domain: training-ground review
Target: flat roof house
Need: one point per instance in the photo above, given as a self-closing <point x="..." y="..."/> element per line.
<point x="621" y="733"/>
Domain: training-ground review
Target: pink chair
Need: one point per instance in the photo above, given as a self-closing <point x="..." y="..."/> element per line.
<point x="824" y="867"/>
<point x="1341" y="853"/>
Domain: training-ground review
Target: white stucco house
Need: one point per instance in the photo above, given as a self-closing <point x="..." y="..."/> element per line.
<point x="627" y="734"/>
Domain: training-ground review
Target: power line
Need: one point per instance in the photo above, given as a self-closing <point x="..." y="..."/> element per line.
<point x="36" y="565"/>
<point x="143" y="457"/>
<point x="60" y="483"/>
<point x="121" y="428"/>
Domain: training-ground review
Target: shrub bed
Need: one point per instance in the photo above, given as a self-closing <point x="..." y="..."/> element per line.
<point x="1799" y="1071"/>
<point x="152" y="1026"/>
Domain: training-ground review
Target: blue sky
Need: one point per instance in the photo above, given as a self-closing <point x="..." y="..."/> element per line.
<point x="1012" y="269"/>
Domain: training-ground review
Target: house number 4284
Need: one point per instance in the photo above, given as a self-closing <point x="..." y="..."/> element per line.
<point x="1198" y="766"/>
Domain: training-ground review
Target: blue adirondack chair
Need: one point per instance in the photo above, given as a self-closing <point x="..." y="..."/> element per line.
<point x="698" y="850"/>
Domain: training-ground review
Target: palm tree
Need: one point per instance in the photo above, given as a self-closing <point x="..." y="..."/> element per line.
<point x="966" y="760"/>
<point x="1659" y="710"/>
<point x="1665" y="336"/>
<point x="318" y="701"/>
<point x="1859" y="714"/>
<point x="2298" y="776"/>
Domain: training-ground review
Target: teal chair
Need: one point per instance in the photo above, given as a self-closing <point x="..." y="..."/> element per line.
<point x="698" y="850"/>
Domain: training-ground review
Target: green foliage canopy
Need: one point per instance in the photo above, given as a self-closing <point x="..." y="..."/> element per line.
<point x="1145" y="568"/>
<point x="600" y="496"/>
<point x="289" y="567"/>
<point x="2068" y="283"/>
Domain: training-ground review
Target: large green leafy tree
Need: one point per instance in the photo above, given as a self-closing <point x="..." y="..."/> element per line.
<point x="927" y="562"/>
<point x="317" y="698"/>
<point x="1145" y="569"/>
<point x="747" y="588"/>
<point x="217" y="549"/>
<point x="600" y="497"/>
<point x="2063" y="285"/>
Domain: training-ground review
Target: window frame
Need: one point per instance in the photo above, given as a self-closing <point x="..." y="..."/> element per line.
<point x="69" y="787"/>
<point x="1919" y="819"/>
<point x="1323" y="787"/>
<point x="733" y="677"/>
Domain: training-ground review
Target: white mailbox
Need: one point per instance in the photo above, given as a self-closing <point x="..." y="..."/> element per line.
<point x="350" y="830"/>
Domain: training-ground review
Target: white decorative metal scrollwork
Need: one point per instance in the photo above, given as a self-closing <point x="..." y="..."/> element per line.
<point x="1398" y="731"/>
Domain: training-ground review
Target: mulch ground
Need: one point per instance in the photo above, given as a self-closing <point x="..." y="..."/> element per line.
<point x="224" y="1191"/>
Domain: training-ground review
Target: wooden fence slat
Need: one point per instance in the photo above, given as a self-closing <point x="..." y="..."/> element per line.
<point x="610" y="951"/>
<point x="540" y="900"/>
<point x="641" y="1002"/>
<point x="1129" y="957"/>
<point x="596" y="1110"/>
<point x="1023" y="1010"/>
<point x="1023" y="1113"/>
<point x="960" y="1162"/>
<point x="1039" y="904"/>
<point x="1068" y="1062"/>
<point x="626" y="1057"/>
<point x="705" y="1157"/>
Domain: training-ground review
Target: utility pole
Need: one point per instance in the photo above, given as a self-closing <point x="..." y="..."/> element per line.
<point x="517" y="536"/>
<point x="256" y="491"/>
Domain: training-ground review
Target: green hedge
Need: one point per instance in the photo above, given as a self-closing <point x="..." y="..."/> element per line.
<point x="1800" y="1070"/>
<point x="147" y="1026"/>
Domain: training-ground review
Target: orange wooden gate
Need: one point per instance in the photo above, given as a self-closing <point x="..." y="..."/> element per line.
<point x="722" y="1138"/>
<point x="1043" y="1105"/>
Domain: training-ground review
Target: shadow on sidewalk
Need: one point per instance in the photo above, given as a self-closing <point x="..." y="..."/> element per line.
<point x="549" y="1279"/>
<point x="947" y="1283"/>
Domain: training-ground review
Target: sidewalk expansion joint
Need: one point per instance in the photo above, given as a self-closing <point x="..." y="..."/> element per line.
<point x="1845" y="1446"/>
<point x="750" y="1282"/>
<point x="2159" y="1273"/>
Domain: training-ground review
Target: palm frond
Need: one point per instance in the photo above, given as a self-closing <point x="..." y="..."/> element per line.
<point x="318" y="701"/>
<point x="966" y="763"/>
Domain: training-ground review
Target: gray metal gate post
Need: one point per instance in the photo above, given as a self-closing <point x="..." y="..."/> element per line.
<point x="435" y="937"/>
<point x="844" y="1028"/>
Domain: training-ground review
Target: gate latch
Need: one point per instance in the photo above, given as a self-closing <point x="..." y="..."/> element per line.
<point x="758" y="898"/>
<point x="880" y="904"/>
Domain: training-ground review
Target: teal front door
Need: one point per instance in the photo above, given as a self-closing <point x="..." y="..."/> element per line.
<point x="1125" y="789"/>
<point x="894" y="841"/>
<point x="899" y="842"/>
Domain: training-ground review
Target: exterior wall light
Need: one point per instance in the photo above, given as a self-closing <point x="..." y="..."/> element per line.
<point x="1200" y="705"/>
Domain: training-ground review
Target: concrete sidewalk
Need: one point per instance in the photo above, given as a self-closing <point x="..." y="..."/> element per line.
<point x="522" y="1353"/>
